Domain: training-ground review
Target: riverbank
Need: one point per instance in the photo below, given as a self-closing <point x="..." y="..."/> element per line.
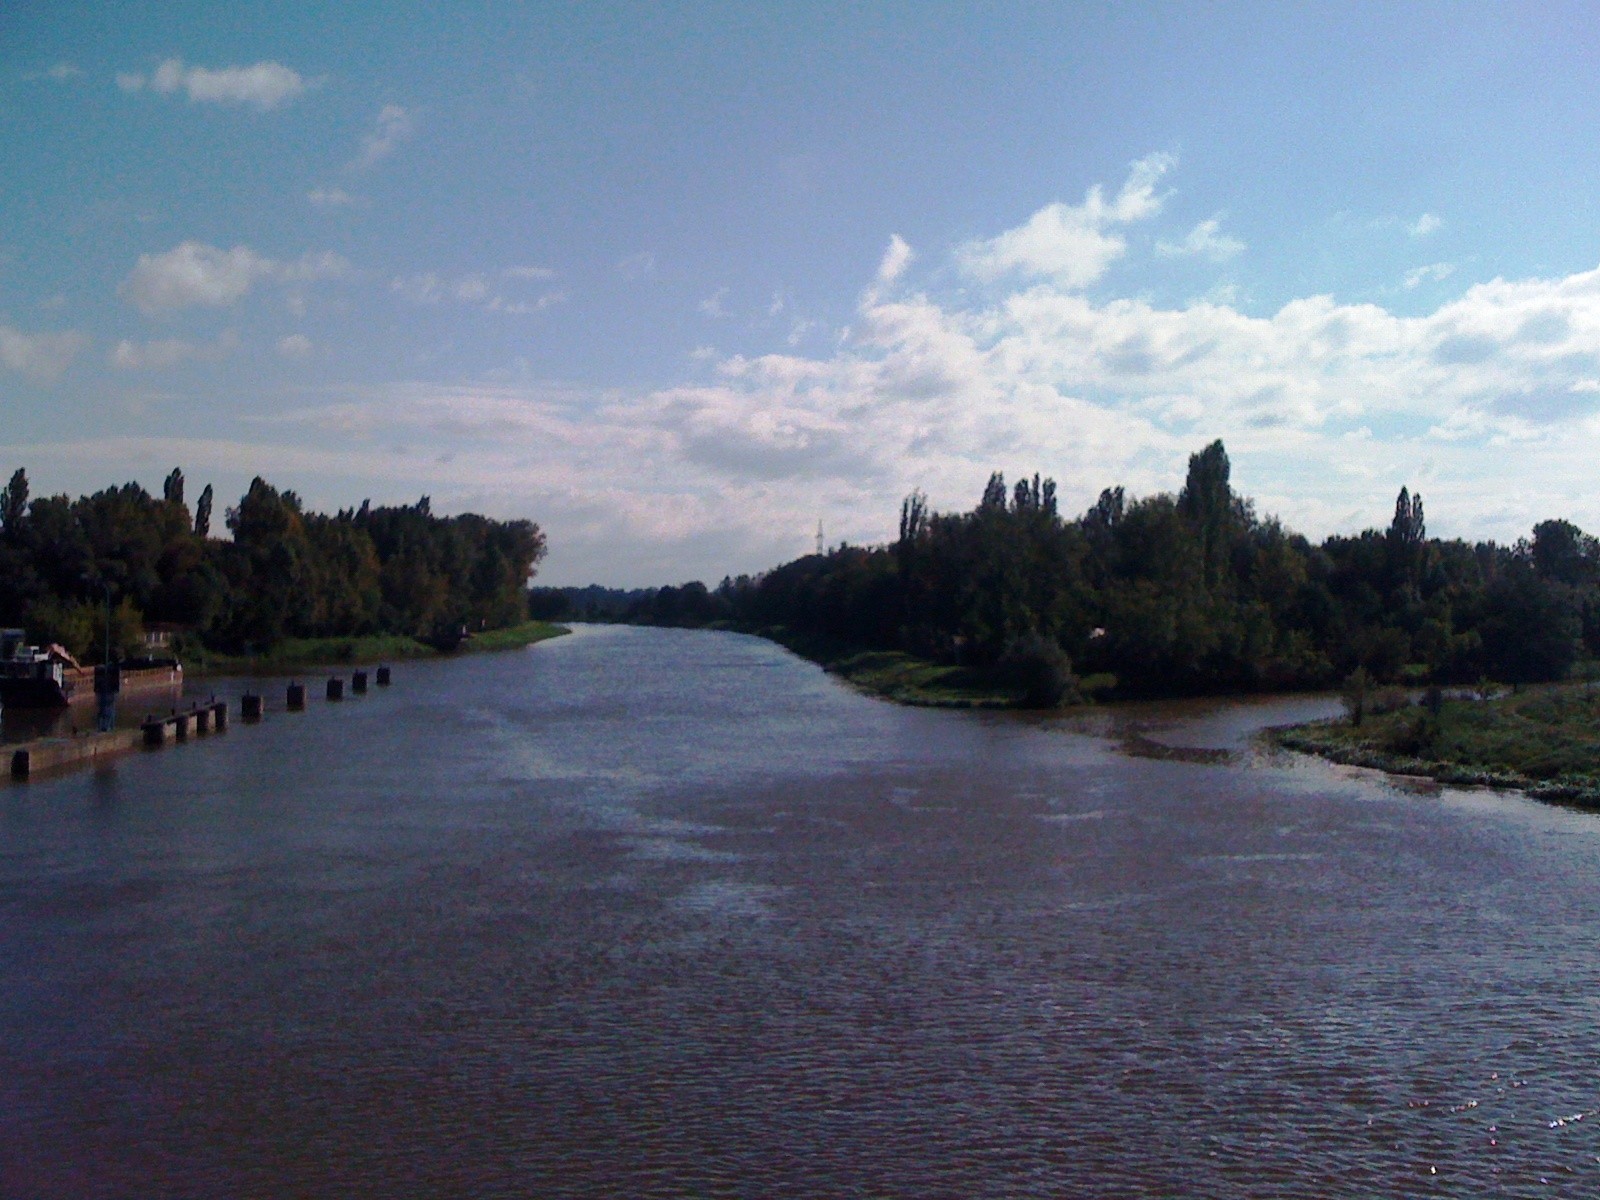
<point x="906" y="679"/>
<point x="297" y="654"/>
<point x="1543" y="740"/>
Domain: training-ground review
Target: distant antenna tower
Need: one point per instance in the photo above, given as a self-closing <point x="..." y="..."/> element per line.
<point x="819" y="537"/>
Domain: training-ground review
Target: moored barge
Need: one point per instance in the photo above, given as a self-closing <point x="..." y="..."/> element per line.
<point x="49" y="676"/>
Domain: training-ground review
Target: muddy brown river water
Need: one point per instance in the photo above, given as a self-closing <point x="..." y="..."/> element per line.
<point x="650" y="913"/>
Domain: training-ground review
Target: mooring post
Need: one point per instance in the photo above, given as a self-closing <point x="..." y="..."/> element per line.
<point x="296" y="699"/>
<point x="219" y="714"/>
<point x="358" y="683"/>
<point x="335" y="688"/>
<point x="21" y="764"/>
<point x="383" y="676"/>
<point x="155" y="731"/>
<point x="202" y="719"/>
<point x="250" y="706"/>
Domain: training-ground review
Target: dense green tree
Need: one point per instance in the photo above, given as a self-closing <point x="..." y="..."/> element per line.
<point x="14" y="505"/>
<point x="1182" y="593"/>
<point x="202" y="513"/>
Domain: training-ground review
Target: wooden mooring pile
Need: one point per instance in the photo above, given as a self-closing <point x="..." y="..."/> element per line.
<point x="179" y="725"/>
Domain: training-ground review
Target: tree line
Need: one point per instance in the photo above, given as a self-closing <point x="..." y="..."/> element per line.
<point x="1173" y="594"/>
<point x="283" y="572"/>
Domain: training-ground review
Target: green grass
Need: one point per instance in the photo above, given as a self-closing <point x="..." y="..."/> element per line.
<point x="1543" y="740"/>
<point x="295" y="654"/>
<point x="905" y="678"/>
<point x="514" y="637"/>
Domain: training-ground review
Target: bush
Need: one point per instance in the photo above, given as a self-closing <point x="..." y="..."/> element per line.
<point x="1354" y="695"/>
<point x="1388" y="700"/>
<point x="1039" y="668"/>
<point x="1413" y="734"/>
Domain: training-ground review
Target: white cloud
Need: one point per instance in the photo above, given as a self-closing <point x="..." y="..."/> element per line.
<point x="193" y="273"/>
<point x="424" y="288"/>
<point x="392" y="127"/>
<point x="1424" y="225"/>
<point x="478" y="290"/>
<point x="333" y="198"/>
<point x="1071" y="244"/>
<point x="1205" y="240"/>
<point x="61" y="72"/>
<point x="41" y="357"/>
<point x="712" y="306"/>
<point x="262" y="86"/>
<point x="1432" y="273"/>
<point x="1120" y="391"/>
<point x="136" y="356"/>
<point x="162" y="353"/>
<point x="312" y="266"/>
<point x="895" y="259"/>
<point x="637" y="266"/>
<point x="295" y="345"/>
<point x="514" y="308"/>
<point x="1489" y="402"/>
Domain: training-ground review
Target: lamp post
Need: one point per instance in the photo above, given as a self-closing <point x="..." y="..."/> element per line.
<point x="107" y="679"/>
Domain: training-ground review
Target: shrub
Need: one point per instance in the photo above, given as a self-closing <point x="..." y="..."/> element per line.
<point x="1039" y="668"/>
<point x="1413" y="734"/>
<point x="1388" y="700"/>
<point x="1354" y="694"/>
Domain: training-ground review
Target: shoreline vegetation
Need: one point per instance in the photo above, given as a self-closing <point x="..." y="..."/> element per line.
<point x="1012" y="604"/>
<point x="1191" y="593"/>
<point x="122" y="574"/>
<point x="1543" y="740"/>
<point x="293" y="655"/>
<point x="904" y="678"/>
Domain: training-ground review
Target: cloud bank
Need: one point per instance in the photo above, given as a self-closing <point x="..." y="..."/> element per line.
<point x="1490" y="403"/>
<point x="1033" y="354"/>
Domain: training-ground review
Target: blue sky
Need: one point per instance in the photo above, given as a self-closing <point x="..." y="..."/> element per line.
<point x="678" y="282"/>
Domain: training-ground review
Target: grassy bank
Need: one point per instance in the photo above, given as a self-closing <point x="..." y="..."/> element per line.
<point x="514" y="637"/>
<point x="298" y="654"/>
<point x="1544" y="740"/>
<point x="907" y="679"/>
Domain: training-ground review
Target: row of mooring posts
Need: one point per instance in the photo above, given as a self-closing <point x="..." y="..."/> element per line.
<point x="179" y="723"/>
<point x="201" y="717"/>
<point x="251" y="706"/>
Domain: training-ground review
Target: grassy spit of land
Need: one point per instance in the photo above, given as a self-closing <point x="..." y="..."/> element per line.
<point x="1543" y="740"/>
<point x="906" y="679"/>
<point x="298" y="654"/>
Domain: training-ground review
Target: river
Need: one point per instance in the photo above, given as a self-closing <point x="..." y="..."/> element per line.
<point x="646" y="913"/>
